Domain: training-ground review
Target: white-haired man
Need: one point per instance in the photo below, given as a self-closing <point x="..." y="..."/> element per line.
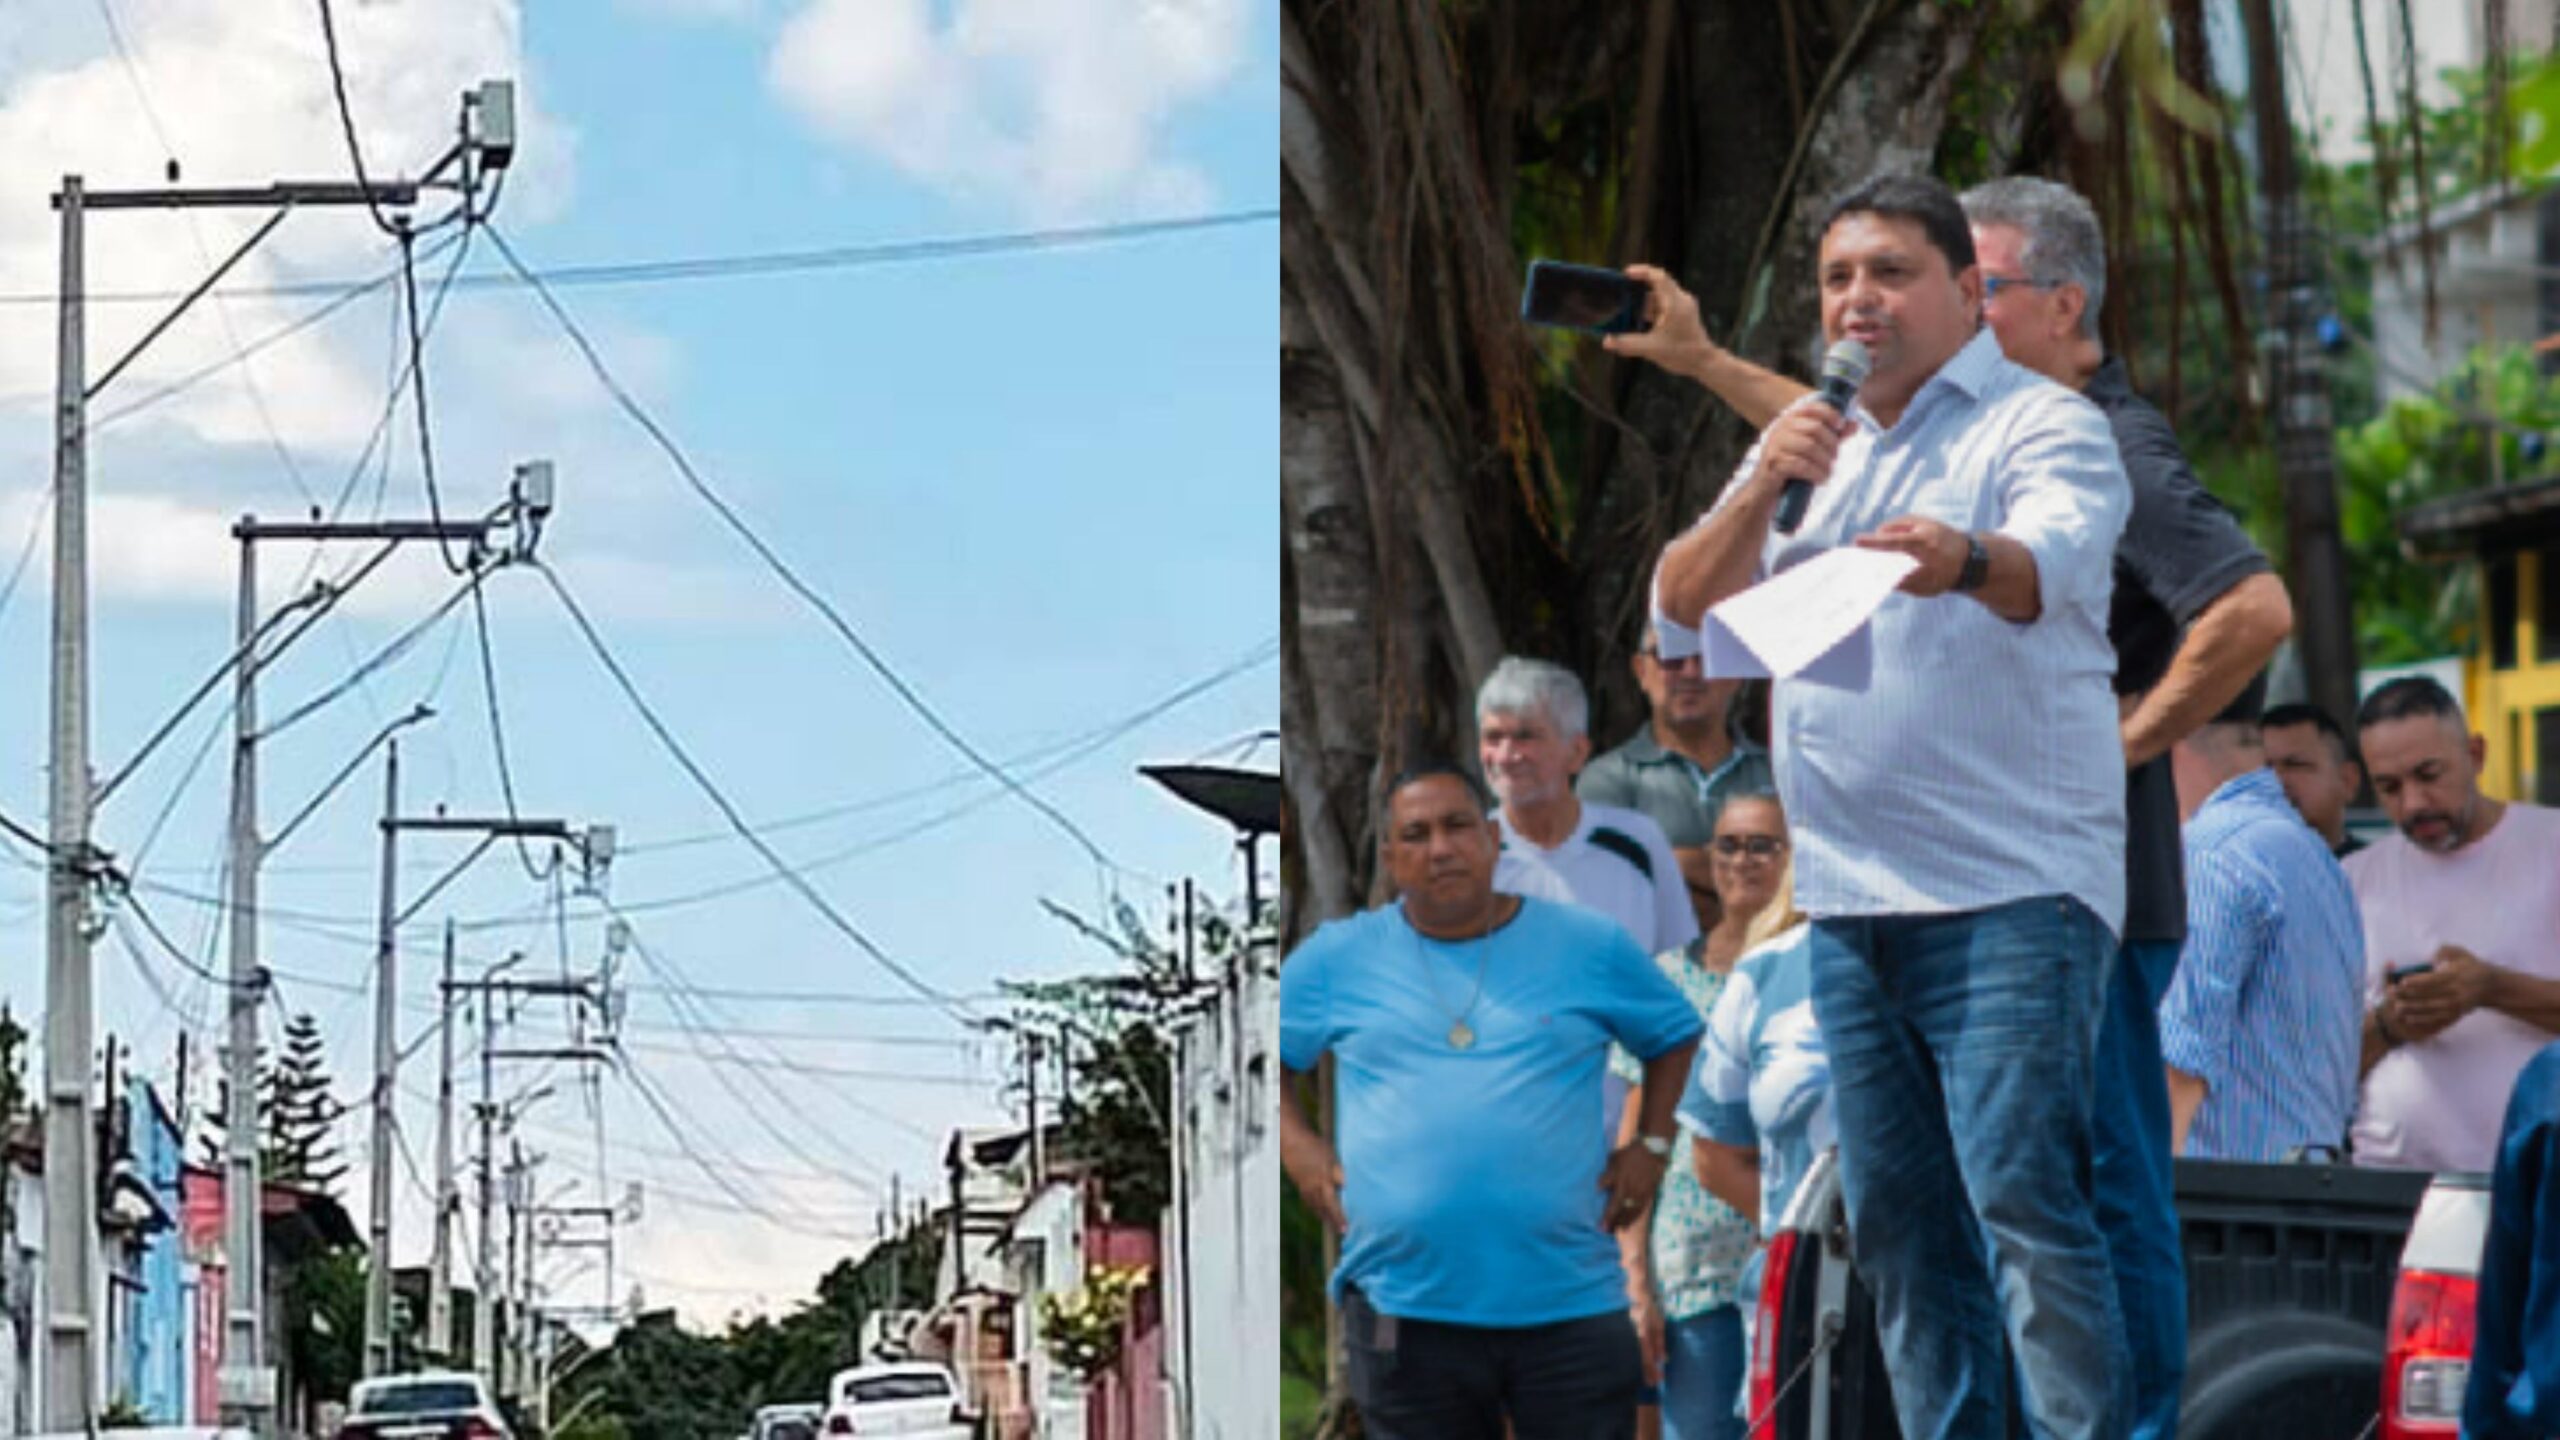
<point x="1532" y="720"/>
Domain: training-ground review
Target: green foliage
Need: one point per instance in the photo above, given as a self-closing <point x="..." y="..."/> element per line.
<point x="123" y="1413"/>
<point x="2422" y="448"/>
<point x="297" y="1108"/>
<point x="324" y="1321"/>
<point x="302" y="1112"/>
<point x="659" y="1381"/>
<point x="13" y="1069"/>
<point x="1302" y="1304"/>
<point x="1082" y="1331"/>
<point x="2456" y="135"/>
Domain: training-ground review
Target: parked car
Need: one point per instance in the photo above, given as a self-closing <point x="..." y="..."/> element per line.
<point x="913" y="1399"/>
<point x="428" y="1405"/>
<point x="2427" y="1356"/>
<point x="2293" y="1323"/>
<point x="787" y="1422"/>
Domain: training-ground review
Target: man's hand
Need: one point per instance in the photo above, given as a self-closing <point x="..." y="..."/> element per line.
<point x="1803" y="444"/>
<point x="1674" y="337"/>
<point x="1631" y="1177"/>
<point x="2429" y="1003"/>
<point x="1940" y="548"/>
<point x="1314" y="1169"/>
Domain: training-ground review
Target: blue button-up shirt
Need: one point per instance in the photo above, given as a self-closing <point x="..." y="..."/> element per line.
<point x="1983" y="763"/>
<point x="2268" y="1003"/>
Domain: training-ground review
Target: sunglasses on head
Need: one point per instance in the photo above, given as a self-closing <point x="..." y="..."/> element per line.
<point x="1758" y="846"/>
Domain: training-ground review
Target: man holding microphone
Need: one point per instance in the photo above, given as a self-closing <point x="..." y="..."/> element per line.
<point x="1959" y="821"/>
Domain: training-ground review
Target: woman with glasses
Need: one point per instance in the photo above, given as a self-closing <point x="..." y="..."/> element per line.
<point x="1759" y="1102"/>
<point x="1699" y="1245"/>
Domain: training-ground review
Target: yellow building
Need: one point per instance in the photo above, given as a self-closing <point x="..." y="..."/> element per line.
<point x="2511" y="678"/>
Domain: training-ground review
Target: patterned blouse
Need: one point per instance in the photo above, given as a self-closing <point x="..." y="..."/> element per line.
<point x="1699" y="1243"/>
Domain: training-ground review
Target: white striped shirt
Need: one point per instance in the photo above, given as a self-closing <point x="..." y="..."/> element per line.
<point x="2267" y="1007"/>
<point x="1983" y="763"/>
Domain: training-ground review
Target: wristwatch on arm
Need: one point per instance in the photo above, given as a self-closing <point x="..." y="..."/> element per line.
<point x="1658" y="1146"/>
<point x="1977" y="565"/>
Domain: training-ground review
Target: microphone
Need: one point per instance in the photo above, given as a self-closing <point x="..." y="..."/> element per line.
<point x="1844" y="369"/>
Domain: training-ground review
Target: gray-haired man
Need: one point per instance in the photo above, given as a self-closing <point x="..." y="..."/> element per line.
<point x="2196" y="614"/>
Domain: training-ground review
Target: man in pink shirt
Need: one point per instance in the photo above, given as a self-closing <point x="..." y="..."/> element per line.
<point x="2462" y="938"/>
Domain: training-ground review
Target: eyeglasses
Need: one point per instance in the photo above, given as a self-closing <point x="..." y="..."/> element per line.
<point x="1758" y="847"/>
<point x="1654" y="657"/>
<point x="1992" y="285"/>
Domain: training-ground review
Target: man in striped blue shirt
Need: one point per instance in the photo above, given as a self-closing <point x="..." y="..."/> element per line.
<point x="2260" y="1024"/>
<point x="1959" y="823"/>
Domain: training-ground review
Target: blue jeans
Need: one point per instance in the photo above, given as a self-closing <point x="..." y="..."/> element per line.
<point x="1702" y="1376"/>
<point x="2137" y="1208"/>
<point x="1961" y="1071"/>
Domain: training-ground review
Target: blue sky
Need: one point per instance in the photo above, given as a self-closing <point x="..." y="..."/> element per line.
<point x="1040" y="483"/>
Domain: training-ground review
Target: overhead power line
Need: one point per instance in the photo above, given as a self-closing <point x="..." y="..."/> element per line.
<point x="826" y="609"/>
<point x="737" y="822"/>
<point x="743" y="265"/>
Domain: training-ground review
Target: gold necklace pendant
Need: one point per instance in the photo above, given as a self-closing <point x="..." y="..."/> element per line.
<point x="1461" y="1037"/>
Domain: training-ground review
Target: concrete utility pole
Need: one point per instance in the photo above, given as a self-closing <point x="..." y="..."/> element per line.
<point x="486" y="1351"/>
<point x="1031" y="1108"/>
<point x="244" y="1240"/>
<point x="2306" y="441"/>
<point x="70" y="1366"/>
<point x="440" y="1270"/>
<point x="484" y="1275"/>
<point x="386" y="1070"/>
<point x="70" y="1371"/>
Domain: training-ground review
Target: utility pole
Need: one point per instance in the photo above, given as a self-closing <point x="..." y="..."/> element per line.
<point x="386" y="1069"/>
<point x="897" y="1247"/>
<point x="2306" y="445"/>
<point x="440" y="1269"/>
<point x="1031" y="1108"/>
<point x="484" y="1275"/>
<point x="69" y="1364"/>
<point x="70" y="1172"/>
<point x="244" y="1241"/>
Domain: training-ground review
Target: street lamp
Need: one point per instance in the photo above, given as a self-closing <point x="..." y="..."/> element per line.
<point x="1248" y="800"/>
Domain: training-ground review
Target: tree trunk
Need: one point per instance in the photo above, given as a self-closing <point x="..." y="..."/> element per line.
<point x="1426" y="529"/>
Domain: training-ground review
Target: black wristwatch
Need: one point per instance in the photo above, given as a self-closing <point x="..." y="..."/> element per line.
<point x="1977" y="564"/>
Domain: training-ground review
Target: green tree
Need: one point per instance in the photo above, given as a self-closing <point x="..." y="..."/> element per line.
<point x="303" y="1112"/>
<point x="2424" y="447"/>
<point x="13" y="1070"/>
<point x="324" y="1321"/>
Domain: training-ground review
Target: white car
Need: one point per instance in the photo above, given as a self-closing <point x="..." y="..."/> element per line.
<point x="430" y="1405"/>
<point x="916" y="1400"/>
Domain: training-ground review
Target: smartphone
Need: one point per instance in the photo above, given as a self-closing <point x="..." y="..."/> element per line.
<point x="2403" y="972"/>
<point x="1582" y="297"/>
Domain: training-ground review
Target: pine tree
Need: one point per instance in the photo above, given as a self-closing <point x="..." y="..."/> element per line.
<point x="297" y="1113"/>
<point x="300" y="1129"/>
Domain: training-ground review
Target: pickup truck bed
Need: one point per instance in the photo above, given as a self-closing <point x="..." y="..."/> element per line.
<point x="2290" y="1271"/>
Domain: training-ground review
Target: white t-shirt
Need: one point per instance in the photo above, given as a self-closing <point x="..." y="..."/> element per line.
<point x="1617" y="862"/>
<point x="2435" y="1105"/>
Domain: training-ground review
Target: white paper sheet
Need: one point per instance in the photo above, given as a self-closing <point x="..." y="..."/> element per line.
<point x="1808" y="624"/>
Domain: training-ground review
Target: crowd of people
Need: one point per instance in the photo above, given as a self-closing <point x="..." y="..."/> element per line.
<point x="2047" y="900"/>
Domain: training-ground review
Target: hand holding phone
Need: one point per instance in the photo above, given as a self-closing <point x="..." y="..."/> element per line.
<point x="1583" y="297"/>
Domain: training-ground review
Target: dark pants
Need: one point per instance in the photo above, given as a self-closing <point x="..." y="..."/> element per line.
<point x="2137" y="1207"/>
<point x="1421" y="1380"/>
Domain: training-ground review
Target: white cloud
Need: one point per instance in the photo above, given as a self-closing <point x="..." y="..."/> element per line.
<point x="1057" y="108"/>
<point x="244" y="93"/>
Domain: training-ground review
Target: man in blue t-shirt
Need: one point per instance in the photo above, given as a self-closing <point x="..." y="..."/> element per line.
<point x="1479" y="1285"/>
